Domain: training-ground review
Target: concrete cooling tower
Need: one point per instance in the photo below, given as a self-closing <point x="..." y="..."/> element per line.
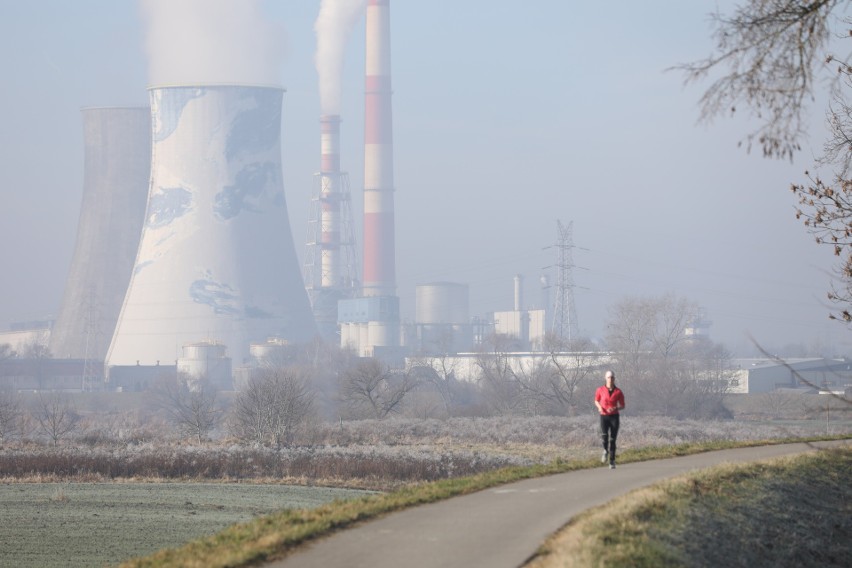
<point x="216" y="260"/>
<point x="117" y="162"/>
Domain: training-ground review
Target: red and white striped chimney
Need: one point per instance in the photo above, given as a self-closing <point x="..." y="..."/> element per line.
<point x="379" y="250"/>
<point x="331" y="274"/>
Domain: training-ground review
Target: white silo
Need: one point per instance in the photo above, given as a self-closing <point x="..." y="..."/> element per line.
<point x="216" y="259"/>
<point x="442" y="317"/>
<point x="206" y="360"/>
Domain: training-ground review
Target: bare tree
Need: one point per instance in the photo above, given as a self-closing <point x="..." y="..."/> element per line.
<point x="666" y="370"/>
<point x="439" y="373"/>
<point x="55" y="415"/>
<point x="567" y="367"/>
<point x="6" y="351"/>
<point x="274" y="404"/>
<point x="10" y="411"/>
<point x="190" y="404"/>
<point x="500" y="385"/>
<point x="372" y="389"/>
<point x="774" y="52"/>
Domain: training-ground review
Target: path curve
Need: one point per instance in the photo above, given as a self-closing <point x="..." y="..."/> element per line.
<point x="503" y="526"/>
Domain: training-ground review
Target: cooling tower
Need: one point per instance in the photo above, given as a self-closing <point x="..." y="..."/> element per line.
<point x="216" y="260"/>
<point x="117" y="161"/>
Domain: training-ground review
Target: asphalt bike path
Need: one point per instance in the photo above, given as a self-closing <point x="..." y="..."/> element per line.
<point x="503" y="526"/>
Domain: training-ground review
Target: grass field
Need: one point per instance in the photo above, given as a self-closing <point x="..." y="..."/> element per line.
<point x="95" y="524"/>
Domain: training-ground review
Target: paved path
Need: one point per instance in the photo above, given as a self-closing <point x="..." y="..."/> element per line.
<point x="503" y="526"/>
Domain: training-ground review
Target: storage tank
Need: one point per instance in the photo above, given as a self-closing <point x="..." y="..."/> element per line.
<point x="116" y="171"/>
<point x="441" y="302"/>
<point x="206" y="360"/>
<point x="216" y="259"/>
<point x="441" y="317"/>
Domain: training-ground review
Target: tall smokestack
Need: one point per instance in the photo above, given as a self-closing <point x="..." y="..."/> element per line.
<point x="519" y="293"/>
<point x="329" y="259"/>
<point x="117" y="162"/>
<point x="369" y="325"/>
<point x="216" y="259"/>
<point x="379" y="250"/>
<point x="331" y="274"/>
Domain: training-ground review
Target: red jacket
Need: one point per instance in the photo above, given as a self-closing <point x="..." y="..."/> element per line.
<point x="609" y="402"/>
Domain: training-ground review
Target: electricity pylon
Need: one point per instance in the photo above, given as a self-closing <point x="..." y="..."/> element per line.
<point x="564" y="311"/>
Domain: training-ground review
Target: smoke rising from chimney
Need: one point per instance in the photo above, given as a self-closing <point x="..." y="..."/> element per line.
<point x="333" y="25"/>
<point x="211" y="41"/>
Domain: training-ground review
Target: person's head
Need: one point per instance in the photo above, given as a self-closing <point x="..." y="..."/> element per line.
<point x="610" y="379"/>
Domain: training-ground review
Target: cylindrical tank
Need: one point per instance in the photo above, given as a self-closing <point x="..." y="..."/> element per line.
<point x="216" y="258"/>
<point x="441" y="303"/>
<point x="117" y="162"/>
<point x="273" y="352"/>
<point x="206" y="360"/>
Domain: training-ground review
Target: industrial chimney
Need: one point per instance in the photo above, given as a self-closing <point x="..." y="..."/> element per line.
<point x="330" y="274"/>
<point x="216" y="261"/>
<point x="373" y="320"/>
<point x="117" y="162"/>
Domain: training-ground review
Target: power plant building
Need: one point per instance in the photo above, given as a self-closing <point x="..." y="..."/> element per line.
<point x="216" y="259"/>
<point x="527" y="327"/>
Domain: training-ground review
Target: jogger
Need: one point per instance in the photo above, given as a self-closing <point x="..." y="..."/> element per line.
<point x="609" y="399"/>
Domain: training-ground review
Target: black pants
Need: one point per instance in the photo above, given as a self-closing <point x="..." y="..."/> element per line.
<point x="609" y="432"/>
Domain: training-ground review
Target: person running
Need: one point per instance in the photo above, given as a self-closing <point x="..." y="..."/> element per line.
<point x="609" y="399"/>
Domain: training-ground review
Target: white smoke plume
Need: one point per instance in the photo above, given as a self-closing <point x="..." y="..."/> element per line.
<point x="211" y="41"/>
<point x="333" y="26"/>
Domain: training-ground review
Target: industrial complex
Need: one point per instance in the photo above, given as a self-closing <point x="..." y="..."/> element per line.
<point x="185" y="261"/>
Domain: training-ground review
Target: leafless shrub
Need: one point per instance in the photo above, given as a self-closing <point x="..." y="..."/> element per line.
<point x="10" y="411"/>
<point x="273" y="405"/>
<point x="379" y="453"/>
<point x="372" y="390"/>
<point x="55" y="416"/>
<point x="191" y="405"/>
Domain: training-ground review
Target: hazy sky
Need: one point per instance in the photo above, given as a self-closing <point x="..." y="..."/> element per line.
<point x="507" y="117"/>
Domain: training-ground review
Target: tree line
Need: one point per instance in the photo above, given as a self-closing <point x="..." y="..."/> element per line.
<point x="664" y="369"/>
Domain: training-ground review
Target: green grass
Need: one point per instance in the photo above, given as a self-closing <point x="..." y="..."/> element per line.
<point x="792" y="511"/>
<point x="274" y="535"/>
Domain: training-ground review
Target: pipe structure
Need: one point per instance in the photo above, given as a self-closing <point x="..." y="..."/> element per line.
<point x="117" y="165"/>
<point x="216" y="260"/>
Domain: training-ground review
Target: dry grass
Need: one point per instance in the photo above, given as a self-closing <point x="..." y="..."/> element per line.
<point x="788" y="512"/>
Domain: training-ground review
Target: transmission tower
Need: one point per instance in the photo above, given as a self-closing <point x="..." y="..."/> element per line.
<point x="330" y="267"/>
<point x="564" y="312"/>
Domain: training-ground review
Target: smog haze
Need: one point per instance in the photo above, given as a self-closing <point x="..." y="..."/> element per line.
<point x="507" y="118"/>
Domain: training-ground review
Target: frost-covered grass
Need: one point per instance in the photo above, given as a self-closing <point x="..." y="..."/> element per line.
<point x="71" y="525"/>
<point x="380" y="453"/>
